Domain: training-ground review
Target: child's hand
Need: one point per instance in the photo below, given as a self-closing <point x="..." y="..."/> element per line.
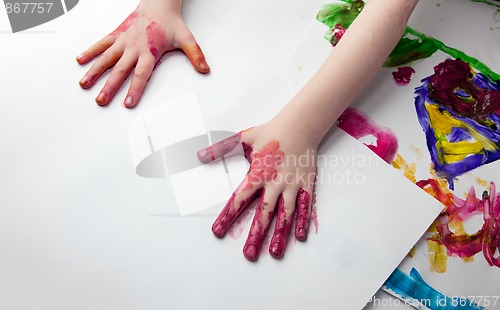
<point x="282" y="172"/>
<point x="153" y="29"/>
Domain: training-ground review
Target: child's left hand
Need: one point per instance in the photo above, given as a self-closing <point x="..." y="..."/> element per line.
<point x="282" y="173"/>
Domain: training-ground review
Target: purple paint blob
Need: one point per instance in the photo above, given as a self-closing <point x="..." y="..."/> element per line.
<point x="402" y="77"/>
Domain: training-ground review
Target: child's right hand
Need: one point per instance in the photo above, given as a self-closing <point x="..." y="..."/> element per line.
<point x="154" y="28"/>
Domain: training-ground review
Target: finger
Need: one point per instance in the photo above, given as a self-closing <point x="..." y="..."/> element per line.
<point x="246" y="192"/>
<point x="260" y="224"/>
<point x="304" y="204"/>
<point x="119" y="74"/>
<point x="96" y="49"/>
<point x="106" y="61"/>
<point x="140" y="79"/>
<point x="196" y="56"/>
<point x="219" y="149"/>
<point x="284" y="220"/>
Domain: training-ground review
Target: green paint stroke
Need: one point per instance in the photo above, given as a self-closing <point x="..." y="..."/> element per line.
<point x="413" y="45"/>
<point x="488" y="2"/>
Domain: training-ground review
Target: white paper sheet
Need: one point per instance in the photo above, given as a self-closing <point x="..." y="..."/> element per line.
<point x="80" y="229"/>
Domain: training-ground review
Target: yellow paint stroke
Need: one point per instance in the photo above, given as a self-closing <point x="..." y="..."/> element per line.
<point x="478" y="180"/>
<point x="442" y="122"/>
<point x="437" y="256"/>
<point x="417" y="152"/>
<point x="409" y="170"/>
<point x="412" y="252"/>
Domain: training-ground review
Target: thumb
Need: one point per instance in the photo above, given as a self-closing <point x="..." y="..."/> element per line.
<point x="196" y="56"/>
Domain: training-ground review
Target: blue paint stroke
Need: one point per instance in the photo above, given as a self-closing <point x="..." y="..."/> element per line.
<point x="416" y="292"/>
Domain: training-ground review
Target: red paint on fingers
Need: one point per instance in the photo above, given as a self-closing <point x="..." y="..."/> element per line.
<point x="281" y="231"/>
<point x="230" y="213"/>
<point x="303" y="215"/>
<point x="258" y="230"/>
<point x="87" y="81"/>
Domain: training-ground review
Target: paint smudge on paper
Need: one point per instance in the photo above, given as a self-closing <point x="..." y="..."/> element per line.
<point x="490" y="2"/>
<point x="459" y="111"/>
<point x="437" y="256"/>
<point x="456" y="240"/>
<point x="419" y="293"/>
<point x="358" y="125"/>
<point x="402" y="76"/>
<point x="336" y="34"/>
<point x="339" y="16"/>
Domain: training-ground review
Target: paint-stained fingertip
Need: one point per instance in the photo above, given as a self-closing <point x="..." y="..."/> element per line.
<point x="218" y="230"/>
<point x="204" y="155"/>
<point x="251" y="252"/>
<point x="130" y="102"/>
<point x="203" y="67"/>
<point x="81" y="59"/>
<point x="102" y="99"/>
<point x="276" y="250"/>
<point x="301" y="234"/>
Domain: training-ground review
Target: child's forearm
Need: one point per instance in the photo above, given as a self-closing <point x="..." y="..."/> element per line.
<point x="347" y="70"/>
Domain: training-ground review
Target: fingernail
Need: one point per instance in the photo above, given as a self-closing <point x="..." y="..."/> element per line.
<point x="79" y="57"/>
<point x="129" y="101"/>
<point x="101" y="99"/>
<point x="301" y="234"/>
<point x="250" y="252"/>
<point x="84" y="82"/>
<point x="204" y="66"/>
<point x="276" y="250"/>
